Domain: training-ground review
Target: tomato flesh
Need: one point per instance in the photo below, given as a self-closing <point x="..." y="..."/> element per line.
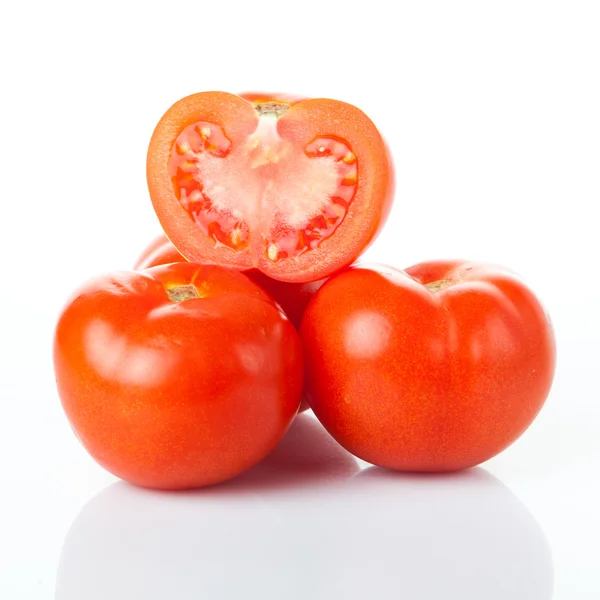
<point x="263" y="192"/>
<point x="296" y="188"/>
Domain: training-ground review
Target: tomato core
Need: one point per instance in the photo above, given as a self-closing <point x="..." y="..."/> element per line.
<point x="265" y="192"/>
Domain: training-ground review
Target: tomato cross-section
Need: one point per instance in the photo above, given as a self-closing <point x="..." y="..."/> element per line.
<point x="294" y="188"/>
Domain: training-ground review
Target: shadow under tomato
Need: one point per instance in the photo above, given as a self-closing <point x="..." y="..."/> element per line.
<point x="375" y="535"/>
<point x="306" y="457"/>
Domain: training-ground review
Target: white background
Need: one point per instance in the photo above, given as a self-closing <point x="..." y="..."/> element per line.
<point x="492" y="113"/>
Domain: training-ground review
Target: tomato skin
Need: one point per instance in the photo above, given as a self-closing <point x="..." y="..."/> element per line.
<point x="420" y="379"/>
<point x="306" y="120"/>
<point x="292" y="297"/>
<point x="159" y="252"/>
<point x="176" y="395"/>
<point x="261" y="97"/>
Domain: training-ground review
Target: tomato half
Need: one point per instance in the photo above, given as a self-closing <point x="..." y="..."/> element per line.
<point x="296" y="189"/>
<point x="179" y="376"/>
<point x="434" y="369"/>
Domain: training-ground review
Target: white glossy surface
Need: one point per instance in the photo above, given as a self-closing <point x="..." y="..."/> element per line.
<point x="375" y="534"/>
<point x="491" y="114"/>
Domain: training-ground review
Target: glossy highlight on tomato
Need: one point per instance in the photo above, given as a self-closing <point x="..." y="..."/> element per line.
<point x="296" y="188"/>
<point x="438" y="368"/>
<point x="168" y="383"/>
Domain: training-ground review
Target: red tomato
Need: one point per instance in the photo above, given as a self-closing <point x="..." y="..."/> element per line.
<point x="159" y="252"/>
<point x="436" y="369"/>
<point x="179" y="376"/>
<point x="295" y="188"/>
<point x="292" y="297"/>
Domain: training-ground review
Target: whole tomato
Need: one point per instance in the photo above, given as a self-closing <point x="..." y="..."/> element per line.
<point x="179" y="376"/>
<point x="437" y="368"/>
<point x="296" y="188"/>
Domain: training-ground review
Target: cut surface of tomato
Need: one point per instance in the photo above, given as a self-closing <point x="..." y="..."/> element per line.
<point x="297" y="189"/>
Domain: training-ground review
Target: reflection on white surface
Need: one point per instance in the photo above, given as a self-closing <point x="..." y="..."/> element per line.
<point x="323" y="531"/>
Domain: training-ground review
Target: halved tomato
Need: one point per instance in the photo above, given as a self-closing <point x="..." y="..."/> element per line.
<point x="295" y="188"/>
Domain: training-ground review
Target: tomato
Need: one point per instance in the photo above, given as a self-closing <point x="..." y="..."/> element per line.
<point x="292" y="297"/>
<point x="437" y="368"/>
<point x="159" y="252"/>
<point x="179" y="376"/>
<point x="295" y="188"/>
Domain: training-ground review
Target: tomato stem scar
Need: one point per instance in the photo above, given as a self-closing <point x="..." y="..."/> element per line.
<point x="440" y="284"/>
<point x="182" y="292"/>
<point x="271" y="109"/>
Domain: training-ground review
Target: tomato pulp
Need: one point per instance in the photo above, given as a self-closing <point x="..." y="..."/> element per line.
<point x="168" y="383"/>
<point x="295" y="188"/>
<point x="437" y="368"/>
